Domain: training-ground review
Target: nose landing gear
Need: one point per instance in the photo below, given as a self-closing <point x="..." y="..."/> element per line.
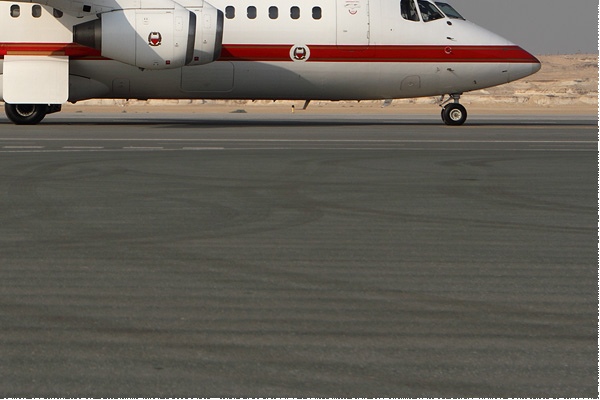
<point x="453" y="113"/>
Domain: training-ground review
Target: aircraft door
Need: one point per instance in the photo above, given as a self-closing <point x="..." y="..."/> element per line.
<point x="353" y="22"/>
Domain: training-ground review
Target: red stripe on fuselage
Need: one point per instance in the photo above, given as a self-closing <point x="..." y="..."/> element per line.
<point x="72" y="50"/>
<point x="381" y="53"/>
<point x="318" y="53"/>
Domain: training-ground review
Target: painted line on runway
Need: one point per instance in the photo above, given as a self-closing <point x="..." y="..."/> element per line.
<point x="298" y="140"/>
<point x="142" y="148"/>
<point x="388" y="149"/>
<point x="22" y="147"/>
<point x="201" y="148"/>
<point x="82" y="147"/>
<point x="408" y="149"/>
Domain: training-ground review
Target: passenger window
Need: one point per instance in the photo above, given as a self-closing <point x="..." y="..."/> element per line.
<point x="57" y="13"/>
<point x="429" y="12"/>
<point x="251" y="12"/>
<point x="230" y="12"/>
<point x="15" y="11"/>
<point x="273" y="12"/>
<point x="408" y="10"/>
<point x="295" y="12"/>
<point x="316" y="13"/>
<point x="36" y="11"/>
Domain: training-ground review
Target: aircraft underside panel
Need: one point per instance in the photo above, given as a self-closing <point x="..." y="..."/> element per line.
<point x="317" y="81"/>
<point x="35" y="79"/>
<point x="211" y="78"/>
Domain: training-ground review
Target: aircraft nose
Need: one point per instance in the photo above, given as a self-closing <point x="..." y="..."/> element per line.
<point x="536" y="66"/>
<point x="525" y="65"/>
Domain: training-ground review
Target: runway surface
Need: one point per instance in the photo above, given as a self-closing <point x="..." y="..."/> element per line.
<point x="298" y="256"/>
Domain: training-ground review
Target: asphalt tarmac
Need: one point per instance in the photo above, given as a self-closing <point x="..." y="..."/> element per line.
<point x="298" y="256"/>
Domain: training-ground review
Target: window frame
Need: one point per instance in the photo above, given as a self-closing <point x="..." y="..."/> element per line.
<point x="36" y="11"/>
<point x="317" y="13"/>
<point x="251" y="12"/>
<point x="273" y="12"/>
<point x="295" y="12"/>
<point x="449" y="11"/>
<point x="15" y="11"/>
<point x="433" y="7"/>
<point x="416" y="14"/>
<point x="230" y="12"/>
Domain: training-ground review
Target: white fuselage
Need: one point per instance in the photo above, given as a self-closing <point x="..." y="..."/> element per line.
<point x="287" y="49"/>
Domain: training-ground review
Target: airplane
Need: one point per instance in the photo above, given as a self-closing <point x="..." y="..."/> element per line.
<point x="58" y="51"/>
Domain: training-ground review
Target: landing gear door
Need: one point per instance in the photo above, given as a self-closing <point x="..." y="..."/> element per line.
<point x="353" y="22"/>
<point x="35" y="79"/>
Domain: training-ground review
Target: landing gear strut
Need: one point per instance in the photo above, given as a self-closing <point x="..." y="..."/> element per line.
<point x="453" y="113"/>
<point x="29" y="114"/>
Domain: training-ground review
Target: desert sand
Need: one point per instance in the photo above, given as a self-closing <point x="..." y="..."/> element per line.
<point x="566" y="84"/>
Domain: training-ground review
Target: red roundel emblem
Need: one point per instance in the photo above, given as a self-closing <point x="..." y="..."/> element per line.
<point x="154" y="39"/>
<point x="299" y="52"/>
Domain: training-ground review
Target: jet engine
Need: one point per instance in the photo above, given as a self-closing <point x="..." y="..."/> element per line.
<point x="152" y="38"/>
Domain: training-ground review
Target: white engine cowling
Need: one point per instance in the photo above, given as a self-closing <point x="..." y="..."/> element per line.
<point x="151" y="38"/>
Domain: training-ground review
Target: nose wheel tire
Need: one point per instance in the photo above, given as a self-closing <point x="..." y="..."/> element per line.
<point x="26" y="114"/>
<point x="454" y="114"/>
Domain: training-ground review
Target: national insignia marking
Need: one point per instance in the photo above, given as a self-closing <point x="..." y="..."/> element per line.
<point x="154" y="39"/>
<point x="299" y="53"/>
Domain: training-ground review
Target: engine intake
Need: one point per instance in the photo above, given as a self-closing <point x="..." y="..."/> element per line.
<point x="156" y="38"/>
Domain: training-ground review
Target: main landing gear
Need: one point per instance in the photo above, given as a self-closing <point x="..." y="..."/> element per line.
<point x="453" y="113"/>
<point x="29" y="114"/>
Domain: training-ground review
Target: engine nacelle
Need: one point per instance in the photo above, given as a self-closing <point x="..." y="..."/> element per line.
<point x="151" y="38"/>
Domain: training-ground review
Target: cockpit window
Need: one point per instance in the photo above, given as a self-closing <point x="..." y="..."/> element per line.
<point x="448" y="10"/>
<point x="429" y="12"/>
<point x="408" y="10"/>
